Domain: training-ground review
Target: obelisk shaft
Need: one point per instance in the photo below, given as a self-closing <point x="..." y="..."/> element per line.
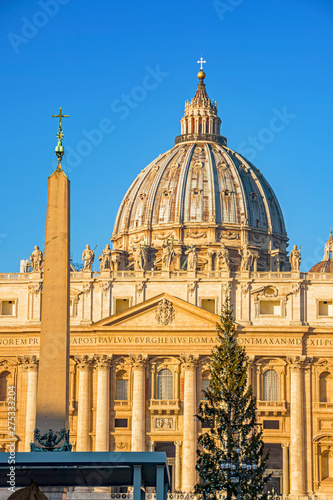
<point x="53" y="378"/>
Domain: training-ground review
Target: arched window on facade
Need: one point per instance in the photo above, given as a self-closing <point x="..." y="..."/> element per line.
<point x="270" y="386"/>
<point x="326" y="387"/>
<point x="3" y="385"/>
<point x="205" y="383"/>
<point x="122" y="386"/>
<point x="165" y="384"/>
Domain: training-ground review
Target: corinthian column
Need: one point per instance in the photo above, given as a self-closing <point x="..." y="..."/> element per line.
<point x="190" y="424"/>
<point x="297" y="437"/>
<point x="84" y="369"/>
<point x="103" y="402"/>
<point x="138" y="404"/>
<point x="30" y="364"/>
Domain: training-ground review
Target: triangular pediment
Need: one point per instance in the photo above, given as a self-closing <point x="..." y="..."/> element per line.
<point x="163" y="311"/>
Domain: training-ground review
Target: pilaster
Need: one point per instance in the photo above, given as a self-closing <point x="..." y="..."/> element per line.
<point x="285" y="462"/>
<point x="178" y="445"/>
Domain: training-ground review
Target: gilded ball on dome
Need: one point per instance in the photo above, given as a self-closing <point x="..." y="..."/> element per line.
<point x="201" y="74"/>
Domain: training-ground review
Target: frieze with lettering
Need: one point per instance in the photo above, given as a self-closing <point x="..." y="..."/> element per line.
<point x="173" y="340"/>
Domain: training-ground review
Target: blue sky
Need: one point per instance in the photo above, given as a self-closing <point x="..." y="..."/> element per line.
<point x="122" y="71"/>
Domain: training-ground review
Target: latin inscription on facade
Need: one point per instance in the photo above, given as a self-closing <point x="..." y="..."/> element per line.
<point x="173" y="340"/>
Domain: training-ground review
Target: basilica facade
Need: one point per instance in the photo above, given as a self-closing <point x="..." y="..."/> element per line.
<point x="198" y="224"/>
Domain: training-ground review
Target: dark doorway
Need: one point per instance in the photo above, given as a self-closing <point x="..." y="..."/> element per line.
<point x="275" y="466"/>
<point x="170" y="450"/>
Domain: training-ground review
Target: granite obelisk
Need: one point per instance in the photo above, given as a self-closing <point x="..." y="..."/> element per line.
<point x="53" y="378"/>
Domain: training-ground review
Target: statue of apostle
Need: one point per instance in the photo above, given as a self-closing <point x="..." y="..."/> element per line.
<point x="247" y="258"/>
<point x="192" y="257"/>
<point x="168" y="254"/>
<point x="223" y="256"/>
<point x="88" y="257"/>
<point x="295" y="258"/>
<point x="140" y="257"/>
<point x="36" y="259"/>
<point x="105" y="258"/>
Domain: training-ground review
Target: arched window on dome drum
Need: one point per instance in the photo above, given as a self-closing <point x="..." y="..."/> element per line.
<point x="122" y="386"/>
<point x="326" y="387"/>
<point x="3" y="385"/>
<point x="165" y="384"/>
<point x="270" y="386"/>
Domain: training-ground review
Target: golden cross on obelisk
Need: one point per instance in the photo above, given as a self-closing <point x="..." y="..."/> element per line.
<point x="60" y="116"/>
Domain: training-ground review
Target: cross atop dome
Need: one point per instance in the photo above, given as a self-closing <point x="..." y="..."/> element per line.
<point x="201" y="62"/>
<point x="201" y="75"/>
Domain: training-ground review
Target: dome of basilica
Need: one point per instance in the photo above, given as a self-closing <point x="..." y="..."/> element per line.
<point x="202" y="192"/>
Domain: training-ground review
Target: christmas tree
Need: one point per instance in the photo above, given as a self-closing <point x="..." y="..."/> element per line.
<point x="230" y="458"/>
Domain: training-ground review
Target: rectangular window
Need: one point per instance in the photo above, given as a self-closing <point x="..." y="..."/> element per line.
<point x="270" y="307"/>
<point x="122" y="390"/>
<point x="7" y="307"/>
<point x="325" y="308"/>
<point x="121" y="422"/>
<point x="122" y="305"/>
<point x="206" y="425"/>
<point x="208" y="305"/>
<point x="271" y="424"/>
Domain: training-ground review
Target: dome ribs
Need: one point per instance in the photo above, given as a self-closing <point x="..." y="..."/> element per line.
<point x="211" y="184"/>
<point x="153" y="197"/>
<point x="181" y="188"/>
<point x="232" y="182"/>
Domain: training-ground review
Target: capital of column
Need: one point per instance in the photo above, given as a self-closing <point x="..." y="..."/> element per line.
<point x="35" y="288"/>
<point x="29" y="363"/>
<point x="178" y="444"/>
<point x="285" y="445"/>
<point x="189" y="361"/>
<point x="138" y="361"/>
<point x="88" y="287"/>
<point x="102" y="361"/>
<point x="150" y="445"/>
<point x="105" y="286"/>
<point x="296" y="363"/>
<point x="251" y="359"/>
<point x="83" y="362"/>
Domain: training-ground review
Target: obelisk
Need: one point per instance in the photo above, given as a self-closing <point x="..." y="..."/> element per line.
<point x="53" y="377"/>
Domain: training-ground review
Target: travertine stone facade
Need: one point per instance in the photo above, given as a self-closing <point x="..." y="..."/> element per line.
<point x="198" y="224"/>
<point x="131" y="347"/>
